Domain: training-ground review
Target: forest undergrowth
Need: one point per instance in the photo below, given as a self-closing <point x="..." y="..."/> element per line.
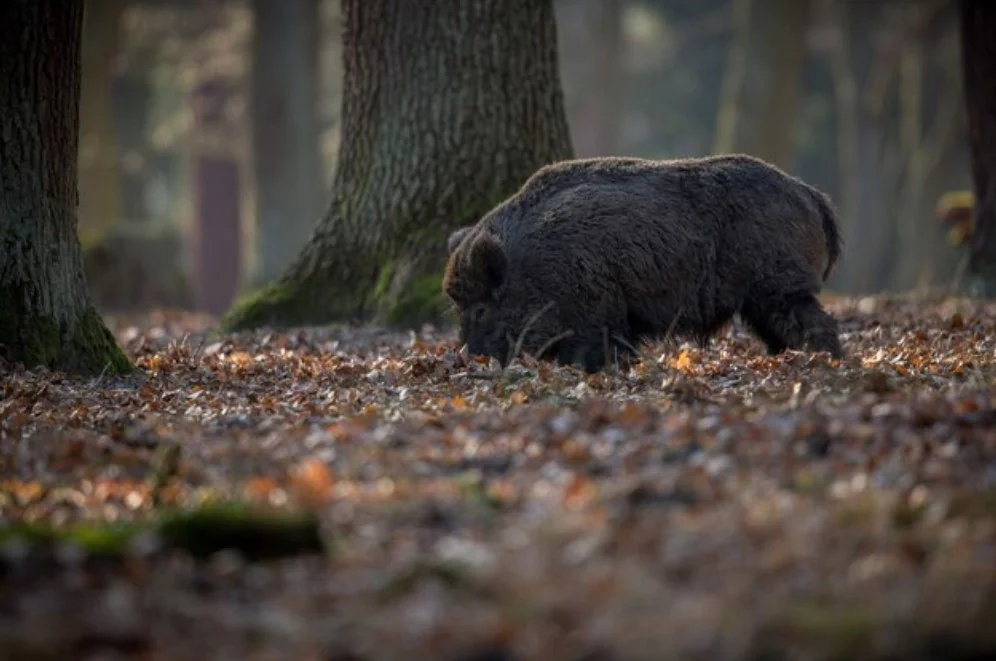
<point x="355" y="494"/>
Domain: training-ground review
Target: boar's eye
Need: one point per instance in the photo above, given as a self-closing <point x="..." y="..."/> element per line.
<point x="477" y="312"/>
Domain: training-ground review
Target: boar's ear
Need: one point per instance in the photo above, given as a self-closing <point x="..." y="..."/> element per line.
<point x="487" y="257"/>
<point x="456" y="238"/>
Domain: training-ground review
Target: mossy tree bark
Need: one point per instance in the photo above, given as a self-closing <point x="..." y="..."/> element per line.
<point x="448" y="107"/>
<point x="46" y="316"/>
<point x="979" y="70"/>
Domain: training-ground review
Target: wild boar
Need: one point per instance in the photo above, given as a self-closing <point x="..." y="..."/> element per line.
<point x="613" y="251"/>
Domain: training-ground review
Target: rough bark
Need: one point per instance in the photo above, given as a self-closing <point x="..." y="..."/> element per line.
<point x="979" y="72"/>
<point x="447" y="108"/>
<point x="46" y="317"/>
<point x="285" y="132"/>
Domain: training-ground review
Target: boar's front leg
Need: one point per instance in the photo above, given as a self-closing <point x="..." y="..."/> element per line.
<point x="792" y="321"/>
<point x="592" y="349"/>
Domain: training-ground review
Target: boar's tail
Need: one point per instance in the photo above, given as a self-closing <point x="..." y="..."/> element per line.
<point x="830" y="230"/>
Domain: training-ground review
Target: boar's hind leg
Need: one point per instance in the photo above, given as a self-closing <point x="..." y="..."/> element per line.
<point x="794" y="321"/>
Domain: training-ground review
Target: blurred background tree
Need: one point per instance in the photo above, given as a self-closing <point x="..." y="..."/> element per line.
<point x="213" y="177"/>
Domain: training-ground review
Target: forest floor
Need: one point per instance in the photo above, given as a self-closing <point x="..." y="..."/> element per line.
<point x="353" y="495"/>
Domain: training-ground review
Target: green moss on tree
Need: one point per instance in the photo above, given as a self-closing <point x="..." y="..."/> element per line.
<point x="422" y="301"/>
<point x="271" y="305"/>
<point x="283" y="304"/>
<point x="93" y="345"/>
<point x="293" y="302"/>
<point x="33" y="340"/>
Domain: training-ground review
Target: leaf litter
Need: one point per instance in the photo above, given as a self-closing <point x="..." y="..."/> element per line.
<point x="353" y="493"/>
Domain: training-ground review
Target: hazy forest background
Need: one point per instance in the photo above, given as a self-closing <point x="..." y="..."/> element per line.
<point x="207" y="147"/>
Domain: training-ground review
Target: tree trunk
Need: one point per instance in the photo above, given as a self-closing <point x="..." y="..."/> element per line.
<point x="285" y="131"/>
<point x="598" y="123"/>
<point x="774" y="86"/>
<point x="847" y="139"/>
<point x="46" y="317"/>
<point x="448" y="107"/>
<point x="731" y="87"/>
<point x="133" y="97"/>
<point x="100" y="191"/>
<point x="216" y="238"/>
<point x="762" y="84"/>
<point x="979" y="67"/>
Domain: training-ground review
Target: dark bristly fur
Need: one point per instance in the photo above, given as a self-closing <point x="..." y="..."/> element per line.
<point x="636" y="247"/>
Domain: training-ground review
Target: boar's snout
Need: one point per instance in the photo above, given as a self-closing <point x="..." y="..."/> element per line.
<point x="483" y="334"/>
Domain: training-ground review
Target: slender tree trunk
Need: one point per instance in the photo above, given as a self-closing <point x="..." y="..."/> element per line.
<point x="285" y="132"/>
<point x="919" y="231"/>
<point x="100" y="191"/>
<point x="846" y="119"/>
<point x="447" y="108"/>
<point x="780" y="57"/>
<point x="46" y="317"/>
<point x="731" y="87"/>
<point x="979" y="67"/>
<point x="871" y="239"/>
<point x="763" y="84"/>
<point x="216" y="238"/>
<point x="598" y="123"/>
<point x="133" y="95"/>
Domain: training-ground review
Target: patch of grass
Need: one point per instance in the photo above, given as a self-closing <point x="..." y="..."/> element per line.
<point x="201" y="532"/>
<point x="254" y="533"/>
<point x="831" y="632"/>
<point x="92" y="538"/>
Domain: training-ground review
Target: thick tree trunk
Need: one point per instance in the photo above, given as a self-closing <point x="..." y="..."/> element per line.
<point x="285" y="132"/>
<point x="448" y="107"/>
<point x="979" y="67"/>
<point x="46" y="317"/>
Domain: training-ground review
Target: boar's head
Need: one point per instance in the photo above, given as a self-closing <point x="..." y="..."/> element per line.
<point x="475" y="280"/>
